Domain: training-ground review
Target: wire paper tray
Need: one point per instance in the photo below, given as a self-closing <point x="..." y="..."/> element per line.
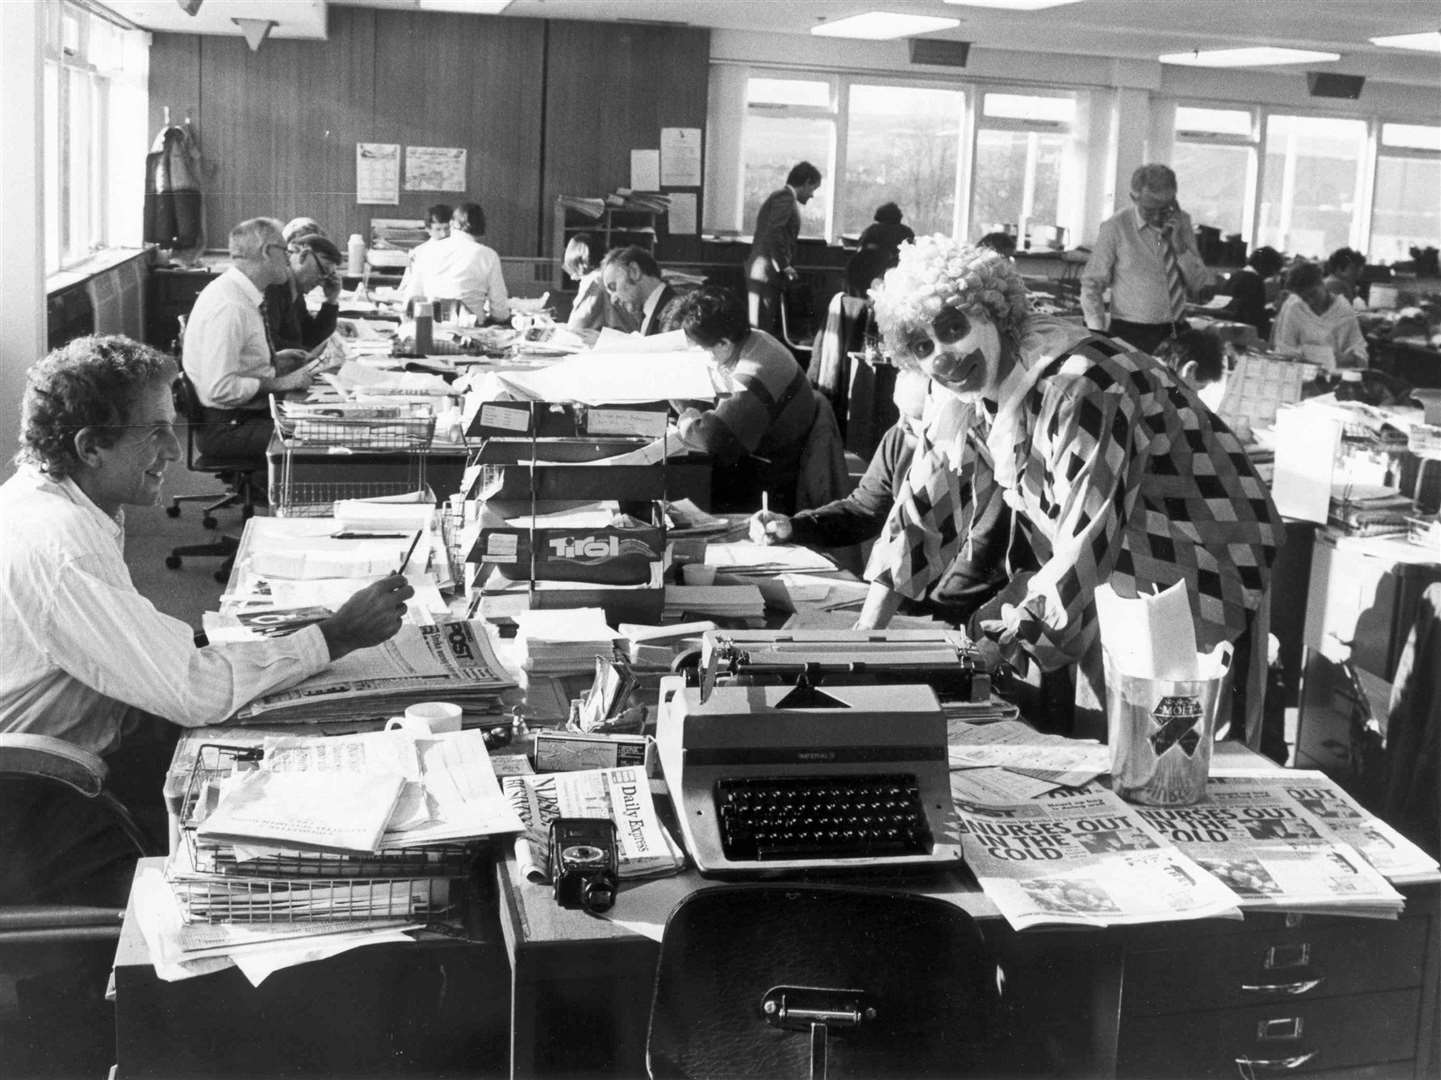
<point x="216" y="763"/>
<point x="409" y="426"/>
<point x="317" y="498"/>
<point x="269" y="901"/>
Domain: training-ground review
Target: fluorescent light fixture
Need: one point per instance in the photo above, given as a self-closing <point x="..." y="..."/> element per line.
<point x="1255" y="56"/>
<point x="883" y="26"/>
<point x="464" y="7"/>
<point x="1425" y="41"/>
<point x="1013" y="5"/>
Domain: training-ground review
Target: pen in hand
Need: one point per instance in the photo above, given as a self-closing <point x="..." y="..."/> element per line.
<point x="413" y="543"/>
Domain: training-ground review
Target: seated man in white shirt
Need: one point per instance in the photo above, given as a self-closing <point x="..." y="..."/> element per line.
<point x="1318" y="325"/>
<point x="87" y="658"/>
<point x="460" y="267"/>
<point x="228" y="353"/>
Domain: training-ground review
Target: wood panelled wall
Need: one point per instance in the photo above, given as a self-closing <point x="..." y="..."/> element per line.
<point x="542" y="107"/>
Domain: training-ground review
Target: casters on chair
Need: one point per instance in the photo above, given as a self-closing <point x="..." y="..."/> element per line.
<point x="173" y="510"/>
<point x="221" y="576"/>
<point x="172" y="562"/>
<point x="209" y="522"/>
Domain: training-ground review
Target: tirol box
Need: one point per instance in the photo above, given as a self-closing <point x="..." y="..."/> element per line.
<point x="607" y="556"/>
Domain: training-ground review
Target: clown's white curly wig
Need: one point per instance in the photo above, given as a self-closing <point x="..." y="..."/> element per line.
<point x="934" y="273"/>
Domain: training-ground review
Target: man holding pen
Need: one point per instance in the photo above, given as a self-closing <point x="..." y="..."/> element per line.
<point x="87" y="658"/>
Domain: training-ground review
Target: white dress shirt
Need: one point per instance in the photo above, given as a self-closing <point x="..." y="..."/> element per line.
<point x="1326" y="338"/>
<point x="460" y="268"/>
<point x="226" y="350"/>
<point x="81" y="646"/>
<point x="1128" y="260"/>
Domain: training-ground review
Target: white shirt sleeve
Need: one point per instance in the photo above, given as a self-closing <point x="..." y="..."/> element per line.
<point x="112" y="639"/>
<point x="495" y="287"/>
<point x="1096" y="277"/>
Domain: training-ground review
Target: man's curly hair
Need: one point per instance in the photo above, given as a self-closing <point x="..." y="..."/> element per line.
<point x="934" y="273"/>
<point x="90" y="382"/>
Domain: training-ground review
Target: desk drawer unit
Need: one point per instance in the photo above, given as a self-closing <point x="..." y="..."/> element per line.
<point x="1324" y="994"/>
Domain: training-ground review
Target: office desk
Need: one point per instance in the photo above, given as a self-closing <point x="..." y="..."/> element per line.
<point x="1143" y="1001"/>
<point x="436" y="1007"/>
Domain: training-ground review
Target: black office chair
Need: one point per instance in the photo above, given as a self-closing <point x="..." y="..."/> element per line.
<point x="798" y="321"/>
<point x="238" y="473"/>
<point x="54" y="954"/>
<point x="780" y="981"/>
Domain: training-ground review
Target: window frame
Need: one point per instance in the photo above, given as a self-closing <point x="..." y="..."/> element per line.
<point x="966" y="225"/>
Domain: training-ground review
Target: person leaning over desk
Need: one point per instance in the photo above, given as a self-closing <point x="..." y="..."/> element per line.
<point x="459" y="267"/>
<point x="631" y="277"/>
<point x="314" y="263"/>
<point x="1114" y="469"/>
<point x="592" y="309"/>
<point x="971" y="579"/>
<point x="1317" y="324"/>
<point x="758" y="433"/>
<point x="227" y="351"/>
<point x="87" y="658"/>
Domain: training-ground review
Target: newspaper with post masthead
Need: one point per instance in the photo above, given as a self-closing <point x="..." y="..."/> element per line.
<point x="644" y="848"/>
<point x="1273" y="853"/>
<point x="1083" y="860"/>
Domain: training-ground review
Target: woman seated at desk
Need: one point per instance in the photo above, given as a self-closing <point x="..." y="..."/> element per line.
<point x="758" y="433"/>
<point x="1317" y="325"/>
<point x="1114" y="469"/>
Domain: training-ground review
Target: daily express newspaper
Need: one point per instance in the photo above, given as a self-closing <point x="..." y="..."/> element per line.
<point x="1401" y="861"/>
<point x="1273" y="853"/>
<point x="643" y="846"/>
<point x="449" y="661"/>
<point x="1087" y="860"/>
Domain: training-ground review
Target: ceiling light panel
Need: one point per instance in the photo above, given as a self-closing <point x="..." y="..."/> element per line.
<point x="1257" y="56"/>
<point x="1426" y="41"/>
<point x="1013" y="5"/>
<point x="883" y="26"/>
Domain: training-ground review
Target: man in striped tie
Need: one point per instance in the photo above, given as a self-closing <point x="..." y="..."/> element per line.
<point x="1146" y="256"/>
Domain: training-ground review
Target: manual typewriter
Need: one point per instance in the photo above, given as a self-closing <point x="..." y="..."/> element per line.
<point x="942" y="659"/>
<point x="776" y="779"/>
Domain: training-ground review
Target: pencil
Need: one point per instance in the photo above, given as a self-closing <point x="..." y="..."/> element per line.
<point x="406" y="561"/>
<point x="765" y="502"/>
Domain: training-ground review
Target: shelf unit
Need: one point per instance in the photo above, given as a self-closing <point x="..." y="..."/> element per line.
<point x="617" y="226"/>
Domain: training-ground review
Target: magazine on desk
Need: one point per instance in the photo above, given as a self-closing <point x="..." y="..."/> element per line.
<point x="644" y="848"/>
<point x="1273" y="853"/>
<point x="451" y="661"/>
<point x="1085" y="860"/>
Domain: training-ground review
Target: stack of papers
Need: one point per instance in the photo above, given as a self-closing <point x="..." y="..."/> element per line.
<point x="748" y="557"/>
<point x="737" y="604"/>
<point x="563" y="640"/>
<point x="658" y="646"/>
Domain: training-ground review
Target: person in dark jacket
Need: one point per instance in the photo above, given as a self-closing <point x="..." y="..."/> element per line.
<point x="314" y="262"/>
<point x="879" y="249"/>
<point x="1247" y="289"/>
<point x="778" y="227"/>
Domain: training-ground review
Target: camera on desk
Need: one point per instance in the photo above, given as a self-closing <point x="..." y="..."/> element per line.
<point x="583" y="863"/>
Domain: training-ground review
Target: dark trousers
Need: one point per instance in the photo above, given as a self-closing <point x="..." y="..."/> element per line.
<point x="236" y="435"/>
<point x="1145" y="336"/>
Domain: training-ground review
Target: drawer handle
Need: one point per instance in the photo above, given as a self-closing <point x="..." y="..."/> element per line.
<point x="1249" y="1067"/>
<point x="1299" y="986"/>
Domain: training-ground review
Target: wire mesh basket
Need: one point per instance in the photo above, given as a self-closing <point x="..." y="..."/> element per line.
<point x="317" y="498"/>
<point x="391" y="426"/>
<point x="259" y="900"/>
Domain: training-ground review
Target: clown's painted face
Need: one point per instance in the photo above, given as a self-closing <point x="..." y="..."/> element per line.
<point x="960" y="350"/>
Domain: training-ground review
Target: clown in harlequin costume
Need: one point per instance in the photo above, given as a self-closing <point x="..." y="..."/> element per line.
<point x="1115" y="469"/>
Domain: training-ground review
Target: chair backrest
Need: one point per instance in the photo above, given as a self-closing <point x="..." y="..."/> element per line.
<point x="907" y="983"/>
<point x="187" y="405"/>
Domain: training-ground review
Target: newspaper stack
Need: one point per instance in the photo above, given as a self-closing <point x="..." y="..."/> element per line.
<point x="365" y="826"/>
<point x="644" y="848"/>
<point x="1273" y="853"/>
<point x="1085" y="860"/>
<point x="451" y="661"/>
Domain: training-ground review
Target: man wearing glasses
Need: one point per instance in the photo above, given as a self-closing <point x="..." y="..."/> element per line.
<point x="313" y="262"/>
<point x="228" y="353"/>
<point x="1146" y="255"/>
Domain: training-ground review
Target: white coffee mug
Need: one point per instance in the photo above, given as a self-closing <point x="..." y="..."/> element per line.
<point x="427" y="718"/>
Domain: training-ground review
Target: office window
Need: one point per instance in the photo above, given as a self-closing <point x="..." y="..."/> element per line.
<point x="1021" y="145"/>
<point x="1214" y="155"/>
<point x="95" y="114"/>
<point x="1310" y="184"/>
<point x="1406" y="210"/>
<point x="788" y="120"/>
<point x="903" y="146"/>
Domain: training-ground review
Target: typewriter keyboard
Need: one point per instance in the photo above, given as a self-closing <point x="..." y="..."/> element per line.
<point x="821" y="817"/>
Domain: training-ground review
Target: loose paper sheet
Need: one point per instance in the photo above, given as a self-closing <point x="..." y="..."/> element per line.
<point x="1305" y="456"/>
<point x="435" y="168"/>
<point x="645" y="170"/>
<point x="680" y="162"/>
<point x="377" y="173"/>
<point x="1151" y="637"/>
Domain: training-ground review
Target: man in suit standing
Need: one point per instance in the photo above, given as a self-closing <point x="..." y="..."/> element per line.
<point x="778" y="226"/>
<point x="632" y="278"/>
<point x="1146" y="255"/>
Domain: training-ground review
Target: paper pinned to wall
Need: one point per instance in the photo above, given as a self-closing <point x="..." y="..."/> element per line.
<point x="682" y="219"/>
<point x="645" y="170"/>
<point x="680" y="157"/>
<point x="377" y="173"/>
<point x="435" y="168"/>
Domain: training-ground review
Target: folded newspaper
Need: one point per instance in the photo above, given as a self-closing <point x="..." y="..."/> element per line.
<point x="1084" y="860"/>
<point x="644" y="848"/>
<point x="448" y="661"/>
<point x="1273" y="853"/>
